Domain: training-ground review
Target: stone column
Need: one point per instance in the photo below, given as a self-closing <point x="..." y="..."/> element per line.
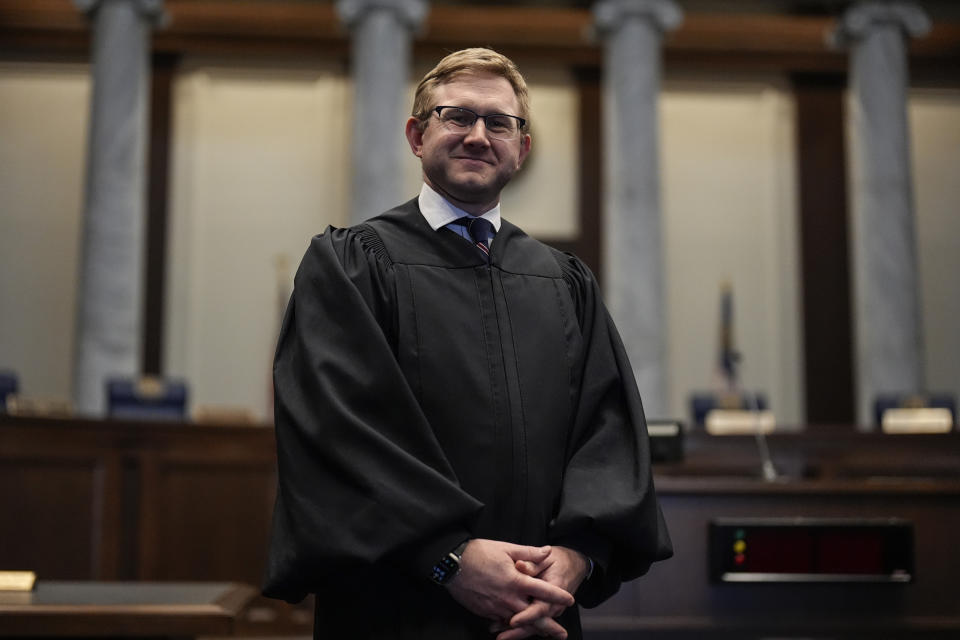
<point x="887" y="301"/>
<point x="632" y="31"/>
<point x="381" y="31"/>
<point x="111" y="272"/>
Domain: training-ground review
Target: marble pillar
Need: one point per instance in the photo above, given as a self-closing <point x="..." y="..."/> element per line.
<point x="108" y="340"/>
<point x="632" y="33"/>
<point x="381" y="32"/>
<point x="887" y="322"/>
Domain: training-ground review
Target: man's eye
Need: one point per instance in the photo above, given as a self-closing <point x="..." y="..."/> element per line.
<point x="499" y="124"/>
<point x="461" y="118"/>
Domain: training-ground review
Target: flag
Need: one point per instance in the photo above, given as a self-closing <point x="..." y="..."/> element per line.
<point x="728" y="356"/>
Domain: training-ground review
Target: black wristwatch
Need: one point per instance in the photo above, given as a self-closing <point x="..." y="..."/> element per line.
<point x="448" y="567"/>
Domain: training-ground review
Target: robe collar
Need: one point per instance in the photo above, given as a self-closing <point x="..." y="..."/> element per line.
<point x="410" y="240"/>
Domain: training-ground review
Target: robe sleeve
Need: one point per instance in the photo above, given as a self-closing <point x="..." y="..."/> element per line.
<point x="363" y="482"/>
<point x="608" y="509"/>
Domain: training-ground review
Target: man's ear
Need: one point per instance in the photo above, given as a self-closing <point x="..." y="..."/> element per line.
<point x="414" y="131"/>
<point x="525" y="143"/>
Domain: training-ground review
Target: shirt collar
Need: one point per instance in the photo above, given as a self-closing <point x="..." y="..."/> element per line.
<point x="439" y="212"/>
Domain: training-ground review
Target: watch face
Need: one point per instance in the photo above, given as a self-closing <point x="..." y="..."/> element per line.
<point x="445" y="570"/>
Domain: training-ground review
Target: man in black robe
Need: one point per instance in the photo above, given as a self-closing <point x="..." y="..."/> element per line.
<point x="462" y="449"/>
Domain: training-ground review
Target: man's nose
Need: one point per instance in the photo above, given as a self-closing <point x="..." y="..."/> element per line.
<point x="477" y="134"/>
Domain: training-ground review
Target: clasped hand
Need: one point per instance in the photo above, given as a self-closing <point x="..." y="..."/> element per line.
<point x="521" y="588"/>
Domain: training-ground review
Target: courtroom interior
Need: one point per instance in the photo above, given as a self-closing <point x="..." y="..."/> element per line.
<point x="766" y="191"/>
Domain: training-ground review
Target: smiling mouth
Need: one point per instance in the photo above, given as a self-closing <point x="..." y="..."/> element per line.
<point x="472" y="159"/>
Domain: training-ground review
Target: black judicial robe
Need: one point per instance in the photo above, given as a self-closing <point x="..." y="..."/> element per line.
<point x="424" y="397"/>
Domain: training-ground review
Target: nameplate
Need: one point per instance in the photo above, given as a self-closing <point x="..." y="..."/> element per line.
<point x="233" y="416"/>
<point x="727" y="422"/>
<point x="17" y="580"/>
<point x="663" y="429"/>
<point x="19" y="405"/>
<point x="150" y="387"/>
<point x="926" y="420"/>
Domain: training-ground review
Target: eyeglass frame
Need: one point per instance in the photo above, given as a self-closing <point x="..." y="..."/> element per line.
<point x="521" y="122"/>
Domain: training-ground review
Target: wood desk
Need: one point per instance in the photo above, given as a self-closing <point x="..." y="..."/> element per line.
<point x="913" y="478"/>
<point x="123" y="609"/>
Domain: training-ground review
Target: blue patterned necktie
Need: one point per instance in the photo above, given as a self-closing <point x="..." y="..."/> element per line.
<point x="481" y="230"/>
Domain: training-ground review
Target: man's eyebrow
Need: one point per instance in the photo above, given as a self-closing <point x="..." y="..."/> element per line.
<point x="477" y="111"/>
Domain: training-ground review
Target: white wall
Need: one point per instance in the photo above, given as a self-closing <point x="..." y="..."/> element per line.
<point x="43" y="129"/>
<point x="935" y="144"/>
<point x="729" y="211"/>
<point x="259" y="167"/>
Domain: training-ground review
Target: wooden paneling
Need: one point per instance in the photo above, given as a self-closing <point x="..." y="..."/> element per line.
<point x="740" y="40"/>
<point x="589" y="244"/>
<point x="217" y="537"/>
<point x="830" y="473"/>
<point x="824" y="248"/>
<point x="55" y="505"/>
<point x="120" y="500"/>
<point x="60" y="503"/>
<point x="676" y="599"/>
<point x="50" y="15"/>
<point x="163" y="72"/>
<point x="158" y="501"/>
<point x="124" y="500"/>
<point x="830" y="452"/>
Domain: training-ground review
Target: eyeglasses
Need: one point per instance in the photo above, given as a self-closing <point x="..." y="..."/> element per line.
<point x="498" y="125"/>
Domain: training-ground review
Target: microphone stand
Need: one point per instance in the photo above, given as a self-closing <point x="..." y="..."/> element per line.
<point x="766" y="461"/>
<point x="767" y="468"/>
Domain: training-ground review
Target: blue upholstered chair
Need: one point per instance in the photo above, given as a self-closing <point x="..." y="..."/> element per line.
<point x="8" y="386"/>
<point x="147" y="398"/>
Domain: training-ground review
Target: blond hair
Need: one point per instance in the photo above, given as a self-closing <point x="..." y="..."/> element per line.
<point x="467" y="61"/>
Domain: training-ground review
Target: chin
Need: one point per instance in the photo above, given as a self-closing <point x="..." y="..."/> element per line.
<point x="474" y="187"/>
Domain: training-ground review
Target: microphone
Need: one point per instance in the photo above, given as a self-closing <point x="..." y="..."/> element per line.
<point x="730" y="360"/>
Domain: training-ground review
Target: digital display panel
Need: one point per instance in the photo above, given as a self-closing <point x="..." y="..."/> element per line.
<point x="811" y="550"/>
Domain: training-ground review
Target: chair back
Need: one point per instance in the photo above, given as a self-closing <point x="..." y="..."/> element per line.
<point x="147" y="398"/>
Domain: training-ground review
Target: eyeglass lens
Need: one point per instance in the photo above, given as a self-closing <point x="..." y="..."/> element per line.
<point x="498" y="125"/>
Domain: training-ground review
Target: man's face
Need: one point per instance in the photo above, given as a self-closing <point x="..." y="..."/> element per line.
<point x="469" y="168"/>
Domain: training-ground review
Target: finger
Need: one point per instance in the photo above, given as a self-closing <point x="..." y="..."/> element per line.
<point x="531" y="614"/>
<point x="533" y="554"/>
<point x="551" y="627"/>
<point x="543" y="590"/>
<point x="513" y="606"/>
<point x="528" y="568"/>
<point x="499" y="611"/>
<point x="498" y="626"/>
<point x="519" y="632"/>
<point x="509" y="607"/>
<point x="555" y="611"/>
